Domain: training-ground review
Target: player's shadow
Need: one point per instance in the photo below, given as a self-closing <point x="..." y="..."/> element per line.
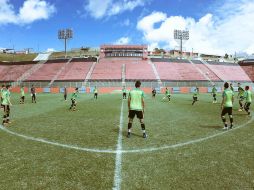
<point x="124" y="133"/>
<point x="217" y="127"/>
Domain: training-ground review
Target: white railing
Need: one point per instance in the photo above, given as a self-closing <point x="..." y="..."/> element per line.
<point x="89" y="74"/>
<point x="155" y="72"/>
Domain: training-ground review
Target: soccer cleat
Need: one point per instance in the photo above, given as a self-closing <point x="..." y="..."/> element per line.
<point x="225" y="128"/>
<point x="128" y="135"/>
<point x="144" y="135"/>
<point x="240" y="109"/>
<point x="231" y="127"/>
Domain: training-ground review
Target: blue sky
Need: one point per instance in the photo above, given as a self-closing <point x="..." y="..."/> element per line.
<point x="34" y="23"/>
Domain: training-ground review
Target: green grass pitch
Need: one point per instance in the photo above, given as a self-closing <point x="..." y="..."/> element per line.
<point x="224" y="161"/>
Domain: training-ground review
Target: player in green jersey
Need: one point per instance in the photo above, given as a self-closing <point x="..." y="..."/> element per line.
<point x="195" y="95"/>
<point x="124" y="92"/>
<point x="214" y="93"/>
<point x="95" y="92"/>
<point x="6" y="104"/>
<point x="74" y="100"/>
<point x="22" y="95"/>
<point x="248" y="97"/>
<point x="227" y="106"/>
<point x="240" y="96"/>
<point x="1" y="95"/>
<point x="136" y="106"/>
<point x="167" y="95"/>
<point x="231" y="87"/>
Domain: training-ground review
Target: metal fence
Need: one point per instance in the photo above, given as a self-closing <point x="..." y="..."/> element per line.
<point x="146" y="84"/>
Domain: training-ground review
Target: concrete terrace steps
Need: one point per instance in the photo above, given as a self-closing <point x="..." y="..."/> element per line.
<point x="28" y="73"/>
<point x="59" y="72"/>
<point x="89" y="74"/>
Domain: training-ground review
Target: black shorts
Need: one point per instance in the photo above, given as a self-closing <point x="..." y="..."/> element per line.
<point x="227" y="110"/>
<point x="95" y="94"/>
<point x="241" y="98"/>
<point x="195" y="98"/>
<point x="214" y="95"/>
<point x="124" y="94"/>
<point x="247" y="105"/>
<point x="6" y="108"/>
<point x="139" y="114"/>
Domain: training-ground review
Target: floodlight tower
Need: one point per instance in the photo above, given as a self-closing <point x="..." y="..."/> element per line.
<point x="65" y="35"/>
<point x="181" y="35"/>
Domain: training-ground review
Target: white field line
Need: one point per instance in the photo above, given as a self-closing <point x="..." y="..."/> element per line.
<point x="57" y="144"/>
<point x="188" y="142"/>
<point x="109" y="151"/>
<point x="118" y="164"/>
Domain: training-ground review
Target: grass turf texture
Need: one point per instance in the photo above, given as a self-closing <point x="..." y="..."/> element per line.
<point x="17" y="57"/>
<point x="223" y="162"/>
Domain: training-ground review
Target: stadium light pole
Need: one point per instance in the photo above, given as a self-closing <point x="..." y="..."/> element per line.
<point x="181" y="35"/>
<point x="65" y="35"/>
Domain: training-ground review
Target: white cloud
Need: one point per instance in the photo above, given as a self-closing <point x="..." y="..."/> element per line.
<point x="123" y="41"/>
<point x="221" y="32"/>
<point x="99" y="9"/>
<point x="32" y="10"/>
<point x="50" y="50"/>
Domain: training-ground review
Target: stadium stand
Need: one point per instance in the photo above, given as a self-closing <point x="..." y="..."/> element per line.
<point x="108" y="69"/>
<point x="209" y="73"/>
<point x="248" y="67"/>
<point x="169" y="71"/>
<point x="47" y="71"/>
<point x="230" y="72"/>
<point x="76" y="70"/>
<point x="139" y="70"/>
<point x="12" y="71"/>
<point x="170" y="60"/>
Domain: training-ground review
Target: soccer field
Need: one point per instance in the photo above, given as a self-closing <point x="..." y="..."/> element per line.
<point x="49" y="147"/>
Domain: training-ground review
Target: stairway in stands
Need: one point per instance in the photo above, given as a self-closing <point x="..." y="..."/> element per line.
<point x="89" y="74"/>
<point x="201" y="72"/>
<point x="28" y="73"/>
<point x="155" y="72"/>
<point x="59" y="72"/>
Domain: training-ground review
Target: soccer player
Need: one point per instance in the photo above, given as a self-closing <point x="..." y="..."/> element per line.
<point x="167" y="94"/>
<point x="214" y="93"/>
<point x="33" y="94"/>
<point x="195" y="95"/>
<point x="154" y="93"/>
<point x="136" y="106"/>
<point x="6" y="104"/>
<point x="65" y="93"/>
<point x="124" y="92"/>
<point x="231" y="87"/>
<point x="240" y="96"/>
<point x="95" y="91"/>
<point x="73" y="100"/>
<point x="227" y="106"/>
<point x="248" y="97"/>
<point x="22" y="92"/>
<point x="1" y="95"/>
